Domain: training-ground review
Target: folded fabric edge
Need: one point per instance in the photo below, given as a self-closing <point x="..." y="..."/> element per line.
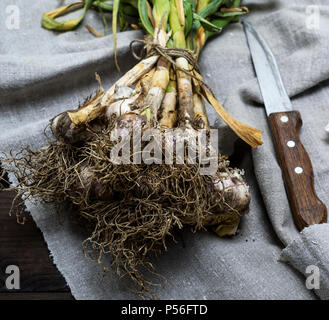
<point x="309" y="254"/>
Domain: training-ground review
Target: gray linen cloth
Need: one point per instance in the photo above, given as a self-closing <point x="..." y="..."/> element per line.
<point x="43" y="73"/>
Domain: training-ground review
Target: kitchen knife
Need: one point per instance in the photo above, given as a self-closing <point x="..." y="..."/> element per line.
<point x="285" y="124"/>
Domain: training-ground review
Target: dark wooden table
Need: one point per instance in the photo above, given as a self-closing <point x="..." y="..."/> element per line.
<point x="24" y="246"/>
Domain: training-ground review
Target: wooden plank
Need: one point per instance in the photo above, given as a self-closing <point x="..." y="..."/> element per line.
<point x="24" y="246"/>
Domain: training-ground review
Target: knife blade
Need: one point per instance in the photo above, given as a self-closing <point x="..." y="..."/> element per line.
<point x="285" y="124"/>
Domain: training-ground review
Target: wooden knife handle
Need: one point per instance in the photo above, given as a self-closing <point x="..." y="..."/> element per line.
<point x="297" y="169"/>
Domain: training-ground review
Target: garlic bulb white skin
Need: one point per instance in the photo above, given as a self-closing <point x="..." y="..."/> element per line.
<point x="87" y="182"/>
<point x="122" y="93"/>
<point x="236" y="192"/>
<point x="236" y="195"/>
<point x="119" y="107"/>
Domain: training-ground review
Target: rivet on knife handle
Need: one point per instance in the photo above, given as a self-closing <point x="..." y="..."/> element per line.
<point x="297" y="169"/>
